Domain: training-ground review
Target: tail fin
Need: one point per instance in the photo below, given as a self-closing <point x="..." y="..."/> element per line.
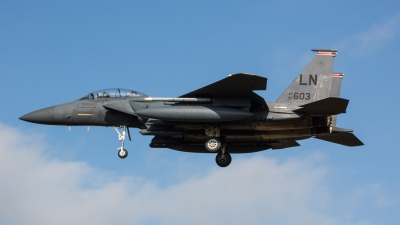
<point x="314" y="82"/>
<point x="335" y="90"/>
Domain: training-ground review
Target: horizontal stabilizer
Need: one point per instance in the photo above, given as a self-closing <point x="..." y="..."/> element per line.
<point x="331" y="106"/>
<point x="347" y="139"/>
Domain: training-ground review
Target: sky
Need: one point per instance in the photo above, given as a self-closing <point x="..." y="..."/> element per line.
<point x="52" y="52"/>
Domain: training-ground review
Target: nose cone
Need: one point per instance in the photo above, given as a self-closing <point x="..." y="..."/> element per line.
<point x="42" y="116"/>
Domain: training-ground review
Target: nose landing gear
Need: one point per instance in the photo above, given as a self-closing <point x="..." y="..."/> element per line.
<point x="122" y="153"/>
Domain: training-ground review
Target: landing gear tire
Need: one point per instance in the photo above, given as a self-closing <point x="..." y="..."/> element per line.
<point x="213" y="144"/>
<point x="223" y="160"/>
<point x="123" y="153"/>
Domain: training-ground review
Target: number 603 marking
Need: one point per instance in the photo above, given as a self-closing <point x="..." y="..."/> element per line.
<point x="301" y="96"/>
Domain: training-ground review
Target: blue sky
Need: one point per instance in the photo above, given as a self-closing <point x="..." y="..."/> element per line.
<point x="53" y="52"/>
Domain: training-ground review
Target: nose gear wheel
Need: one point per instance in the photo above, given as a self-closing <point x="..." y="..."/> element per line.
<point x="122" y="153"/>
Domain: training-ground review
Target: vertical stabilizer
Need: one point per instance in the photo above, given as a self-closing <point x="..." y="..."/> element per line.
<point x="335" y="90"/>
<point x="314" y="82"/>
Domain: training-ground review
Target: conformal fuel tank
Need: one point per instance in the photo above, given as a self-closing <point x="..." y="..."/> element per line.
<point x="194" y="113"/>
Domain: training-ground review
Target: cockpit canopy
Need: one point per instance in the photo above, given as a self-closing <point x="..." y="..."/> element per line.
<point x="112" y="93"/>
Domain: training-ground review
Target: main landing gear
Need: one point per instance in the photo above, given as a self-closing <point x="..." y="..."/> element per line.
<point x="213" y="144"/>
<point x="223" y="159"/>
<point x="122" y="153"/>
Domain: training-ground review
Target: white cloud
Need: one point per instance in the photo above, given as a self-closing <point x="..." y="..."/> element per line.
<point x="375" y="37"/>
<point x="36" y="189"/>
<point x="375" y="195"/>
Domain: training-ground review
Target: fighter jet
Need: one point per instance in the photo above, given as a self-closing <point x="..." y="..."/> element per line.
<point x="224" y="117"/>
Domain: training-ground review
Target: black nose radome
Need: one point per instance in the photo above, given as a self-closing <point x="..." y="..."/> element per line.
<point x="42" y="116"/>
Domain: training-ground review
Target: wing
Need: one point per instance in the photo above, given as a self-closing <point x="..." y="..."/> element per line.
<point x="235" y="86"/>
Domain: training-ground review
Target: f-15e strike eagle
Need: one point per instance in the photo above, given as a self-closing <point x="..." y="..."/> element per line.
<point x="224" y="117"/>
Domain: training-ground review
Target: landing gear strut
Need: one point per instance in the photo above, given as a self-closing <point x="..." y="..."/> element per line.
<point x="122" y="153"/>
<point x="223" y="159"/>
<point x="213" y="144"/>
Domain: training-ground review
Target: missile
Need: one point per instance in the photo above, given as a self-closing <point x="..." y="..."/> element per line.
<point x="178" y="99"/>
<point x="194" y="113"/>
